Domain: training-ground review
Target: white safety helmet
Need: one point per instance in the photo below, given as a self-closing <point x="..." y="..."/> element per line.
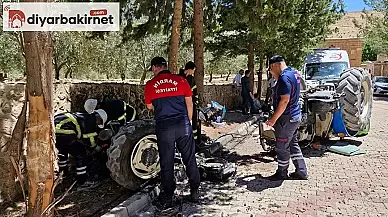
<point x="103" y="116"/>
<point x="90" y="105"/>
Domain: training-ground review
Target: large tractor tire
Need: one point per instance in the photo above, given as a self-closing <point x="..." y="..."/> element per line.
<point x="356" y="83"/>
<point x="133" y="156"/>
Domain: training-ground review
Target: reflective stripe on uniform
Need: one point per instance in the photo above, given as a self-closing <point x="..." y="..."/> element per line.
<point x="81" y="170"/>
<point x="297" y="158"/>
<point x="282" y="163"/>
<point x="124" y="116"/>
<point x="90" y="136"/>
<point x="134" y="113"/>
<point x="80" y="173"/>
<point x="72" y="119"/>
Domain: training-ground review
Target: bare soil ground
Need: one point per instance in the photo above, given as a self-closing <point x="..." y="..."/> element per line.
<point x="97" y="201"/>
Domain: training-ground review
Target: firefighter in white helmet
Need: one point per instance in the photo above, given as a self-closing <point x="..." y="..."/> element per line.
<point x="75" y="133"/>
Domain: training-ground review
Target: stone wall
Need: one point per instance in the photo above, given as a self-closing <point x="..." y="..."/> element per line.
<point x="71" y="97"/>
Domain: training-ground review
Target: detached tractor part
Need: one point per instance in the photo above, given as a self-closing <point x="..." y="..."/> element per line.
<point x="356" y="105"/>
<point x="133" y="156"/>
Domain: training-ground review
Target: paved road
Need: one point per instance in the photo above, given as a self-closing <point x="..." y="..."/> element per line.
<point x="338" y="185"/>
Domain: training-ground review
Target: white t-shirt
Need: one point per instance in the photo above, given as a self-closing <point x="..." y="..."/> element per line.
<point x="271" y="83"/>
<point x="237" y="80"/>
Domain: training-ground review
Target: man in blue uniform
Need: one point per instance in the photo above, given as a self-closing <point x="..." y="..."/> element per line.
<point x="170" y="96"/>
<point x="286" y="120"/>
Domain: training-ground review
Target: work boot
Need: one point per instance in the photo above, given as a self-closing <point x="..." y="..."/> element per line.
<point x="164" y="206"/>
<point x="298" y="176"/>
<point x="194" y="195"/>
<point x="278" y="176"/>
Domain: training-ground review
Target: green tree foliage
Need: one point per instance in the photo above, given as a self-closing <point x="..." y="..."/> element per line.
<point x="375" y="32"/>
<point x="286" y="27"/>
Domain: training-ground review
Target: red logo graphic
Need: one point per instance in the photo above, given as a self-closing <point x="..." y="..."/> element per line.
<point x="100" y="12"/>
<point x="16" y="18"/>
<point x="336" y="56"/>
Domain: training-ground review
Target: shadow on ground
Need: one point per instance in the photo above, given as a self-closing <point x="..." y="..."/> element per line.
<point x="257" y="183"/>
<point x="380" y="98"/>
<point x="235" y="117"/>
<point x="264" y="157"/>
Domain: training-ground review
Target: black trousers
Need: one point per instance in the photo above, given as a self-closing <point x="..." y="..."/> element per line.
<point x="196" y="126"/>
<point x="69" y="144"/>
<point x="170" y="134"/>
<point x="247" y="103"/>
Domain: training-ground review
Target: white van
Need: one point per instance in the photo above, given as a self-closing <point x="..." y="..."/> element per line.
<point x="325" y="66"/>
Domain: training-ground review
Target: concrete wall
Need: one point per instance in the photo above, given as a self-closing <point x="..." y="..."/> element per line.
<point x="352" y="45"/>
<point x="378" y="69"/>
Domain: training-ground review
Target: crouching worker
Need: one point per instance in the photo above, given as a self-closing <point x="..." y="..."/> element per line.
<point x="75" y="132"/>
<point x="171" y="98"/>
<point x="117" y="110"/>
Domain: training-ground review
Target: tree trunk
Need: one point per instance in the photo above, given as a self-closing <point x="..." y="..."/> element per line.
<point x="175" y="37"/>
<point x="40" y="140"/>
<point x="199" y="47"/>
<point x="251" y="66"/>
<point x="227" y="77"/>
<point x="143" y="76"/>
<point x="260" y="76"/>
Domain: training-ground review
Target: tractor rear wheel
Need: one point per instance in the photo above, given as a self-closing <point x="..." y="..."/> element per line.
<point x="133" y="156"/>
<point x="356" y="83"/>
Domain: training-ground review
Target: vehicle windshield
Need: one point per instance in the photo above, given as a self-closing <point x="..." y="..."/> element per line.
<point x="320" y="71"/>
<point x="381" y="79"/>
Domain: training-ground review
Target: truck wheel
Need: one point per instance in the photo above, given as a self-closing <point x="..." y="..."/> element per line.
<point x="133" y="156"/>
<point x="356" y="83"/>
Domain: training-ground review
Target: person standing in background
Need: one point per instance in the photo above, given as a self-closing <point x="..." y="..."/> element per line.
<point x="246" y="93"/>
<point x="188" y="73"/>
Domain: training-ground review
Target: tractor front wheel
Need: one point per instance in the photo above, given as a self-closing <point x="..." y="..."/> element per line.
<point x="356" y="105"/>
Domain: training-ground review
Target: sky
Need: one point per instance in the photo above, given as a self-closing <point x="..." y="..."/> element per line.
<point x="354" y="5"/>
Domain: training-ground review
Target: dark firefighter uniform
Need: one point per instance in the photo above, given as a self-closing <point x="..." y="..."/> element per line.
<point x="196" y="123"/>
<point x="75" y="131"/>
<point x="119" y="110"/>
<point x="167" y="92"/>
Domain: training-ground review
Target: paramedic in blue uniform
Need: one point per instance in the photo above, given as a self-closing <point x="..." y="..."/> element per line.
<point x="170" y="96"/>
<point x="286" y="120"/>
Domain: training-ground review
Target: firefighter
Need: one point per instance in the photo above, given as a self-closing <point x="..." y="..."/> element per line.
<point x="116" y="109"/>
<point x="170" y="96"/>
<point x="75" y="133"/>
<point x="286" y="120"/>
<point x="188" y="73"/>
